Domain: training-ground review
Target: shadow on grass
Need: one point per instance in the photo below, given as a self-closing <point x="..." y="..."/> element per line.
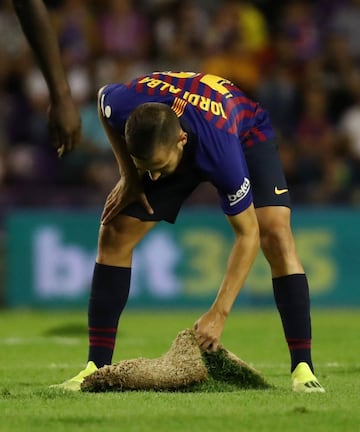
<point x="225" y="370"/>
<point x="68" y="329"/>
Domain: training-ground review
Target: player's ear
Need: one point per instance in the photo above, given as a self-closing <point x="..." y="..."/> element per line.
<point x="182" y="140"/>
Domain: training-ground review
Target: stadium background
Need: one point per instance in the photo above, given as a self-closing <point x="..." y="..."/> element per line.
<point x="299" y="59"/>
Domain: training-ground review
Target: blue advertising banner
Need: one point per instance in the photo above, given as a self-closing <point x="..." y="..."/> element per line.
<point x="50" y="258"/>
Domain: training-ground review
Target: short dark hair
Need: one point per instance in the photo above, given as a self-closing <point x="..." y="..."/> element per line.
<point x="149" y="126"/>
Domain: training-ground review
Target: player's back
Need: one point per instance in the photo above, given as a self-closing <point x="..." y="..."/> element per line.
<point x="207" y="103"/>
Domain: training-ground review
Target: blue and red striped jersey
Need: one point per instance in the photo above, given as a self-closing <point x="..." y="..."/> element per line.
<point x="219" y="114"/>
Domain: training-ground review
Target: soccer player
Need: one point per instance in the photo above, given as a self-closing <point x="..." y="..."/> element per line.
<point x="170" y="132"/>
<point x="64" y="118"/>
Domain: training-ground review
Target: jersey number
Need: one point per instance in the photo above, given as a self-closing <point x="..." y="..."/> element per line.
<point x="214" y="82"/>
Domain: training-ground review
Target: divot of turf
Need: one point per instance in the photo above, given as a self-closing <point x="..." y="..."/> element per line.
<point x="183" y="368"/>
<point x="225" y="367"/>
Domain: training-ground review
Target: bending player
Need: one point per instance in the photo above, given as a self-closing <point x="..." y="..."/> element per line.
<point x="170" y="132"/>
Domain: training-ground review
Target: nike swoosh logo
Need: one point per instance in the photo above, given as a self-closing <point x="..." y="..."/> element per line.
<point x="279" y="191"/>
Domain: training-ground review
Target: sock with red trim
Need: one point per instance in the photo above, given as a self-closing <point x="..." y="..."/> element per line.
<point x="291" y="295"/>
<point x="109" y="294"/>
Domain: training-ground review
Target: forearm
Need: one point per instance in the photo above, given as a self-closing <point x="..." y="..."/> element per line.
<point x="241" y="258"/>
<point x="126" y="165"/>
<point x="36" y="25"/>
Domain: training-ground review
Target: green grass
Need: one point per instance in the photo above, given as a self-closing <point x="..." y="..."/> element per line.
<point x="41" y="348"/>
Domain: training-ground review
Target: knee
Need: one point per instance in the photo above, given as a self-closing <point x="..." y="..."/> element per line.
<point x="276" y="240"/>
<point x="113" y="242"/>
<point x="109" y="236"/>
<point x="118" y="239"/>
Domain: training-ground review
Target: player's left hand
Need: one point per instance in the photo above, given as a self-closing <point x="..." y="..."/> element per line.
<point x="208" y="329"/>
<point x="124" y="193"/>
<point x="64" y="124"/>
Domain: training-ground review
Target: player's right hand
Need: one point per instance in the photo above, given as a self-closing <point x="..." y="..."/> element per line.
<point x="124" y="194"/>
<point x="64" y="125"/>
<point x="208" y="329"/>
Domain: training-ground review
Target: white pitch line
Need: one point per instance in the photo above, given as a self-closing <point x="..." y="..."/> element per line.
<point x="330" y="364"/>
<point x="57" y="340"/>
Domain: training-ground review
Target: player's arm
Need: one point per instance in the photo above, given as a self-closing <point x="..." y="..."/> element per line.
<point x="64" y="117"/>
<point x="129" y="188"/>
<point x="209" y="327"/>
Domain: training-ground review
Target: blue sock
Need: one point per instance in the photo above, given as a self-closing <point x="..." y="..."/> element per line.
<point x="109" y="294"/>
<point x="291" y="295"/>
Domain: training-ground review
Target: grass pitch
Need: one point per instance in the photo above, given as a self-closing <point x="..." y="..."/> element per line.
<point x="42" y="348"/>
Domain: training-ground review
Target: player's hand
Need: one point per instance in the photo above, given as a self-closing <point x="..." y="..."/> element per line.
<point x="123" y="194"/>
<point x="208" y="329"/>
<point x="64" y="124"/>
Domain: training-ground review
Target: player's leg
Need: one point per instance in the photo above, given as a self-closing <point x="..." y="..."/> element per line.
<point x="277" y="240"/>
<point x="109" y="290"/>
<point x="290" y="286"/>
<point x="291" y="292"/>
<point x="111" y="278"/>
<point x="111" y="283"/>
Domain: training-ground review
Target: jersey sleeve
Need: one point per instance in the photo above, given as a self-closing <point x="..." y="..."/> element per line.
<point x="226" y="169"/>
<point x="116" y="104"/>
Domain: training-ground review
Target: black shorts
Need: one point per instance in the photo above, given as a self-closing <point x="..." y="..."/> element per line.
<point x="268" y="183"/>
<point x="167" y="195"/>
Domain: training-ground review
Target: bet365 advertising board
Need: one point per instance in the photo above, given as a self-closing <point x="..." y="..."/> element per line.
<point x="49" y="259"/>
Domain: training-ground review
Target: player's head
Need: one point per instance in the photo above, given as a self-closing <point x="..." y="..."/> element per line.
<point x="155" y="139"/>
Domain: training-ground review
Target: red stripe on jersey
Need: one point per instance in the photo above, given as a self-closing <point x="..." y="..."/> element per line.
<point x="243" y="100"/>
<point x="207" y="93"/>
<point x="181" y="83"/>
<point x="244" y="113"/>
<point x="151" y="91"/>
<point x="260" y="135"/>
<point x="139" y="87"/>
<point x="167" y="79"/>
<point x="228" y="108"/>
<point x="220" y="123"/>
<point x="238" y="118"/>
<point x="194" y="86"/>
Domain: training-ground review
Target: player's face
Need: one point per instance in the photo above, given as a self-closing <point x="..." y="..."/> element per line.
<point x="165" y="161"/>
